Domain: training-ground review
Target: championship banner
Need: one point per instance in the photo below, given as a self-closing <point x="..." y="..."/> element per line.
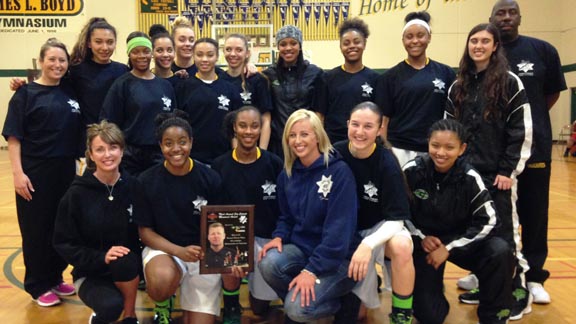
<point x="326" y="11"/>
<point x="307" y="12"/>
<point x="256" y="13"/>
<point x="200" y="20"/>
<point x="317" y="9"/>
<point x="244" y="10"/>
<point x="336" y="12"/>
<point x="295" y="14"/>
<point x="283" y="9"/>
<point x="345" y="10"/>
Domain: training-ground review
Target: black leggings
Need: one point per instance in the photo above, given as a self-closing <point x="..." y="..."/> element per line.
<point x="102" y="295"/>
<point x="490" y="259"/>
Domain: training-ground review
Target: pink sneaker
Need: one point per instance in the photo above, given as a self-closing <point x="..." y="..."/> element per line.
<point x="48" y="299"/>
<point x="64" y="289"/>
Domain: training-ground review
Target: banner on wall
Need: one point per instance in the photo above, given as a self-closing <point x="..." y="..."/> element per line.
<point x="159" y="6"/>
<point x="40" y="16"/>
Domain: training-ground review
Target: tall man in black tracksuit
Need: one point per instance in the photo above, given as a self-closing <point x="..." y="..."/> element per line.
<point x="537" y="64"/>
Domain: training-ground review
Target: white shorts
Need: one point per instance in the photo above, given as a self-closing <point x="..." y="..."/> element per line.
<point x="258" y="287"/>
<point x="367" y="289"/>
<point x="404" y="156"/>
<point x="198" y="293"/>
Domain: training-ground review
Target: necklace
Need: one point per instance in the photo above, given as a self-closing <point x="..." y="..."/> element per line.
<point x="111" y="189"/>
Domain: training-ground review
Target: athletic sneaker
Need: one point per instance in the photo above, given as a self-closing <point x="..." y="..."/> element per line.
<point x="472" y="297"/>
<point x="521" y="305"/>
<point x="130" y="320"/>
<point x="538" y="292"/>
<point x="468" y="283"/>
<point x="400" y="318"/>
<point x="48" y="299"/>
<point x="232" y="315"/>
<point x="64" y="289"/>
<point x="162" y="312"/>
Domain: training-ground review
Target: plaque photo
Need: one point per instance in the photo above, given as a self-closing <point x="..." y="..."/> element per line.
<point x="227" y="238"/>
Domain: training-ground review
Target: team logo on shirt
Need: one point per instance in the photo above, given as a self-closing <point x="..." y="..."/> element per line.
<point x="268" y="188"/>
<point x="167" y="103"/>
<point x="439" y="86"/>
<point x="421" y="193"/>
<point x="372" y="192"/>
<point x="325" y="185"/>
<point x="366" y="90"/>
<point x="75" y="106"/>
<point x="525" y="68"/>
<point x="199" y="202"/>
<point x="223" y="102"/>
<point x="246" y="97"/>
<point x="130" y="210"/>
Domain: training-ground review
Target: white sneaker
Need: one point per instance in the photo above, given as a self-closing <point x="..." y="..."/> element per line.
<point x="540" y="294"/>
<point x="468" y="283"/>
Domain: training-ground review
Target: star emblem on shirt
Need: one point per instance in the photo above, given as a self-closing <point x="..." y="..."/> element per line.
<point x="167" y="103"/>
<point x="439" y="84"/>
<point x="325" y="185"/>
<point x="525" y="66"/>
<point x="366" y="88"/>
<point x="223" y="100"/>
<point x="268" y="188"/>
<point x="199" y="202"/>
<point x="74" y="104"/>
<point x="370" y="189"/>
<point x="246" y="95"/>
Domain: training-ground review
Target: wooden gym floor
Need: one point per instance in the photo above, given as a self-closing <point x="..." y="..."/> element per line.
<point x="16" y="305"/>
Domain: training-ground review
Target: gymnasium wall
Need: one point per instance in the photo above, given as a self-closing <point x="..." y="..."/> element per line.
<point x="552" y="21"/>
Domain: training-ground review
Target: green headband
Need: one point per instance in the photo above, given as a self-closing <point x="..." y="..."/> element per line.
<point x="138" y="41"/>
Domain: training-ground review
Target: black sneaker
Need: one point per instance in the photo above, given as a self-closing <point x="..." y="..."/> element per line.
<point x="521" y="305"/>
<point x="130" y="320"/>
<point x="472" y="297"/>
<point x="232" y="315"/>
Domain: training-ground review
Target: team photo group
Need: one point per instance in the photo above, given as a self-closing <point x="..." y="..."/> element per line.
<point x="346" y="168"/>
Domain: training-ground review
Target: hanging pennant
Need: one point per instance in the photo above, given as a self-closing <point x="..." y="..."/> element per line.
<point x="191" y="14"/>
<point x="283" y="9"/>
<point x="200" y="21"/>
<point x="336" y="12"/>
<point x="171" y="18"/>
<point x="326" y="11"/>
<point x="345" y="9"/>
<point x="256" y="13"/>
<point x="220" y="9"/>
<point x="307" y="12"/>
<point x="208" y="14"/>
<point x="244" y="11"/>
<point x="317" y="10"/>
<point x="295" y="14"/>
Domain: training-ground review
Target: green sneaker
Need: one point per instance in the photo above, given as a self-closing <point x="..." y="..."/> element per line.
<point x="232" y="315"/>
<point x="163" y="310"/>
<point x="400" y="318"/>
